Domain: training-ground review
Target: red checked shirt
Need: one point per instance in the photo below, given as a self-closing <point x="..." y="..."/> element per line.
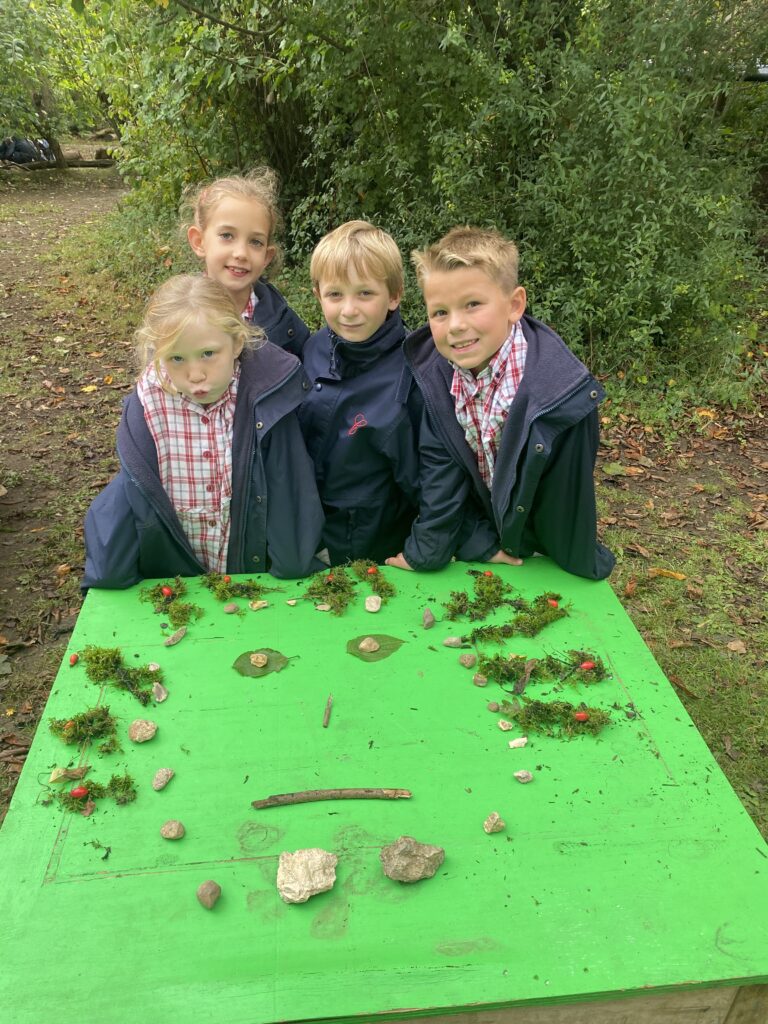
<point x="250" y="308"/>
<point x="194" y="456"/>
<point x="482" y="402"/>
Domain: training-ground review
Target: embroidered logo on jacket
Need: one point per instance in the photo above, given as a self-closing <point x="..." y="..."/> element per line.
<point x="359" y="421"/>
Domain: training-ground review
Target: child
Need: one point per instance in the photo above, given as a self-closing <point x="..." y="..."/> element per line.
<point x="511" y="430"/>
<point x="234" y="225"/>
<point x="357" y="432"/>
<point x="214" y="473"/>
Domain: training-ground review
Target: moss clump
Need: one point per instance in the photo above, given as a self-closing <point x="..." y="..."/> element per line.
<point x="490" y="593"/>
<point x="181" y="613"/>
<point x="369" y="573"/>
<point x="120" y="788"/>
<point x="333" y="588"/>
<point x="178" y="612"/>
<point x="534" y="616"/>
<point x="223" y="589"/>
<point x="514" y="671"/>
<point x="105" y="664"/>
<point x="96" y="723"/>
<point x="571" y="667"/>
<point x="101" y="663"/>
<point x="556" y="717"/>
<point x="490" y="634"/>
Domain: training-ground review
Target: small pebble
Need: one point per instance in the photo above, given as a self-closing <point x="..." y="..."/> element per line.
<point x="494" y="823"/>
<point x="453" y="641"/>
<point x="153" y="666"/>
<point x="256" y="606"/>
<point x="504" y="725"/>
<point x="259" y="660"/>
<point x="373" y="603"/>
<point x="523" y="776"/>
<point x="172" y="830"/>
<point x="480" y="680"/>
<point x="368" y="645"/>
<point x="322" y="607"/>
<point x="292" y="603"/>
<point x="521" y="741"/>
<point x="174" y="638"/>
<point x="162" y="777"/>
<point x="208" y="893"/>
<point x="141" y="730"/>
<point x="230" y="609"/>
<point x="468" y="660"/>
<point x="159" y="692"/>
<point x="492" y="706"/>
<point x="427" y="619"/>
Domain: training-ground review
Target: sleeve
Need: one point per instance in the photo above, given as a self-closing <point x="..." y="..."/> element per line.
<point x="294" y="511"/>
<point x="563" y="517"/>
<point x="401" y="451"/>
<point x="111" y="540"/>
<point x="445" y="491"/>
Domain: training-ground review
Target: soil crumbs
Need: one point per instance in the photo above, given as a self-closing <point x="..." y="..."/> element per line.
<point x="686" y="513"/>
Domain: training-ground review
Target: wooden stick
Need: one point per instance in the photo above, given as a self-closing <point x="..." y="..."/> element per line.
<point x="311" y="795"/>
<point x="327" y="715"/>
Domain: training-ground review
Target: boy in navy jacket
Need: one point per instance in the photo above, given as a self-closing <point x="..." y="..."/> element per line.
<point x="357" y="431"/>
<point x="510" y="431"/>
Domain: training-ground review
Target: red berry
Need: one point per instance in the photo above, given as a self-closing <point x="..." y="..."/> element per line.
<point x="552" y="602"/>
<point x="487" y="573"/>
<point x="587" y="666"/>
<point x="73" y="659"/>
<point x="79" y="792"/>
<point x="166" y="591"/>
<point x="372" y="570"/>
<point x="581" y="716"/>
<point x="227" y="579"/>
<point x="329" y="578"/>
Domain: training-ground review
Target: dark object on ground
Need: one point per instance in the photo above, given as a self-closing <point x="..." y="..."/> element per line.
<point x="23" y="151"/>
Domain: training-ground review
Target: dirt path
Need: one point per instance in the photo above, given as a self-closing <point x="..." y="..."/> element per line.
<point x="53" y="449"/>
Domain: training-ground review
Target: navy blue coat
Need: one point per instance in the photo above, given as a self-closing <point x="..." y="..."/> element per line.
<point x="282" y="325"/>
<point x="132" y="531"/>
<point x="360" y="438"/>
<point x="543" y="495"/>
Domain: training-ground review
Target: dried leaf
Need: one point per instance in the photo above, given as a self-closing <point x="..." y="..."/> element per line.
<point x="88" y="388"/>
<point x="631" y="587"/>
<point x="614" y="469"/>
<point x="730" y="750"/>
<point x="737" y="646"/>
<point x="667" y="574"/>
<point x="276" y="662"/>
<point x="637" y="549"/>
<point x="387" y="645"/>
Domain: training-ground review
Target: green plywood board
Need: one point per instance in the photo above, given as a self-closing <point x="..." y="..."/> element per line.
<point x="627" y="865"/>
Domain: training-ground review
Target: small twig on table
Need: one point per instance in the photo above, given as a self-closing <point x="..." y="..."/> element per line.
<point x="311" y="795"/>
<point x="327" y="715"/>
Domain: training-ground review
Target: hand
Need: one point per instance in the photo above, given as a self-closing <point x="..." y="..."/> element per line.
<point x="398" y="562"/>
<point x="501" y="557"/>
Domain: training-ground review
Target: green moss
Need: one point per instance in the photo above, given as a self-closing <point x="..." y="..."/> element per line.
<point x="105" y="664"/>
<point x="333" y="588"/>
<point x="369" y="573"/>
<point x="101" y="663"/>
<point x="88" y="725"/>
<point x="120" y="788"/>
<point x="534" y="616"/>
<point x="570" y="668"/>
<point x="556" y="717"/>
<point x="490" y="593"/>
<point x="181" y="613"/>
<point x="223" y="589"/>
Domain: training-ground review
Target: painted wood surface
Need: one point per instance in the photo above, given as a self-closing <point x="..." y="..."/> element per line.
<point x="628" y="865"/>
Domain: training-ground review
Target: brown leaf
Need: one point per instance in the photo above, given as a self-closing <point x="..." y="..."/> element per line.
<point x="631" y="587"/>
<point x="737" y="646"/>
<point x="638" y="549"/>
<point x="730" y="750"/>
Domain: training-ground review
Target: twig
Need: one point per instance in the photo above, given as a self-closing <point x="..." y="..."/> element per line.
<point x="310" y="795"/>
<point x="327" y="715"/>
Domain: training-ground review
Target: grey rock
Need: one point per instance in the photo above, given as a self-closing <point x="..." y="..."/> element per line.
<point x="208" y="893"/>
<point x="141" y="730"/>
<point x="162" y="777"/>
<point x="407" y="860"/>
<point x="305" y="873"/>
<point x="159" y="692"/>
<point x="172" y="830"/>
<point x="494" y="823"/>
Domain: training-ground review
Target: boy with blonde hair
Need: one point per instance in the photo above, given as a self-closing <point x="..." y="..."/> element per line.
<point x="356" y="429"/>
<point x="510" y="433"/>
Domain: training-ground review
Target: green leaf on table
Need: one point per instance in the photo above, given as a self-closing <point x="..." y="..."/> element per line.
<point x="387" y="645"/>
<point x="276" y="662"/>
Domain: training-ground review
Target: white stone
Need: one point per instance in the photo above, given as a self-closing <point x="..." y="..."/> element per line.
<point x="305" y="873"/>
<point x="373" y="603"/>
<point x="521" y="741"/>
<point x="523" y="776"/>
<point x="494" y="823"/>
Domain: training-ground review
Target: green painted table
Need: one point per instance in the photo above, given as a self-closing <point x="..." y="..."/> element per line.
<point x="628" y="865"/>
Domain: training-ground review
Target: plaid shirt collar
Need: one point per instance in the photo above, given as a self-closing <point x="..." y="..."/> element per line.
<point x="250" y="309"/>
<point x="482" y="402"/>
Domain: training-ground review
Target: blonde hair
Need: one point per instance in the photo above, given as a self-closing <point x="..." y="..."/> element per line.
<point x="262" y="185"/>
<point x="361" y="247"/>
<point x="182" y="300"/>
<point x="484" y="248"/>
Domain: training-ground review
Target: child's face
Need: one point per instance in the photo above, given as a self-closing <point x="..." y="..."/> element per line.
<point x="356" y="307"/>
<point x="201" y="363"/>
<point x="470" y="315"/>
<point x="235" y="245"/>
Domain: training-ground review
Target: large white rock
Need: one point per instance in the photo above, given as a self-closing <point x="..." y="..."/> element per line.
<point x="305" y="873"/>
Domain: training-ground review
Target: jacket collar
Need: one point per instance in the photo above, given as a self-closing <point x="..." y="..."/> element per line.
<point x="348" y="358"/>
